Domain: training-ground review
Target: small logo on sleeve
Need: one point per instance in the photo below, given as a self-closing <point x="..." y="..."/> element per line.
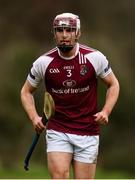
<point x="31" y="75"/>
<point x="107" y="68"/>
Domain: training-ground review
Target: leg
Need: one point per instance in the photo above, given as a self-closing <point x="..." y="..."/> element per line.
<point x="59" y="154"/>
<point x="85" y="157"/>
<point x="59" y="164"/>
<point x="84" y="170"/>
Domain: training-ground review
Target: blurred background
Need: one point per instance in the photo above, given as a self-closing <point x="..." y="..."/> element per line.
<point x="25" y="34"/>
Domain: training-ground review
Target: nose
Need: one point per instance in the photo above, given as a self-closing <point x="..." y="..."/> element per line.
<point x="65" y="34"/>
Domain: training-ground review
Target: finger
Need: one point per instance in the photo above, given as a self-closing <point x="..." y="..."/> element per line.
<point x="95" y="117"/>
<point x="39" y="130"/>
<point x="41" y="125"/>
<point x="103" y="121"/>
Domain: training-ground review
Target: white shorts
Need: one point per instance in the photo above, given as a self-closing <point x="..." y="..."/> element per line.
<point x="84" y="148"/>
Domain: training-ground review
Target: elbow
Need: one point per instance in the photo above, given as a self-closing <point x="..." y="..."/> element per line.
<point x="117" y="88"/>
<point x="22" y="93"/>
<point x="118" y="85"/>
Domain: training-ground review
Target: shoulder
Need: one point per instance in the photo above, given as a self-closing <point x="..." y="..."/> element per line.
<point x="46" y="58"/>
<point x="94" y="56"/>
<point x="86" y="49"/>
<point x="89" y="51"/>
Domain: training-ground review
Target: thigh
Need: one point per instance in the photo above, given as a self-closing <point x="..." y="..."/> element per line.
<point x="84" y="170"/>
<point x="59" y="164"/>
<point x="58" y="142"/>
<point x="86" y="149"/>
<point x="59" y="154"/>
<point x="85" y="156"/>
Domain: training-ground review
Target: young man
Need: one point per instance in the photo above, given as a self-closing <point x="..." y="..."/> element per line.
<point x="70" y="73"/>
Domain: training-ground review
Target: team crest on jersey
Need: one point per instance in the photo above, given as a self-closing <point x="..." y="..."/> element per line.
<point x="83" y="70"/>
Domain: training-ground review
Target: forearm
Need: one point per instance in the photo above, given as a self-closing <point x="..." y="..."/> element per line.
<point x="111" y="98"/>
<point x="29" y="104"/>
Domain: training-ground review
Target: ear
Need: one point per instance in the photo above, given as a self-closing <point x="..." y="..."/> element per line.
<point x="54" y="34"/>
<point x="78" y="34"/>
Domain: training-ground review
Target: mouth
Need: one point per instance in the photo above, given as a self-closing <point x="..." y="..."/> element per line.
<point x="65" y="46"/>
<point x="65" y="42"/>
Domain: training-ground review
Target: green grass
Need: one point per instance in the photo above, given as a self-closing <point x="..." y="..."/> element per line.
<point x="104" y="174"/>
<point x="37" y="172"/>
<point x="34" y="172"/>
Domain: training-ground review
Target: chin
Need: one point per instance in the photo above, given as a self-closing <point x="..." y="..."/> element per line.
<point x="65" y="48"/>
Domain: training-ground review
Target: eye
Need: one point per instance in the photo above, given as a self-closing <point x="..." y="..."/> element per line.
<point x="70" y="29"/>
<point x="59" y="29"/>
<point x="67" y="29"/>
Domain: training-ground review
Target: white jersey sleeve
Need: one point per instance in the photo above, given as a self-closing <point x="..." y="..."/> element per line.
<point x="38" y="70"/>
<point x="100" y="63"/>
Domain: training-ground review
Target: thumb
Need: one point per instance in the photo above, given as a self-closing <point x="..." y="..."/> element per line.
<point x="95" y="116"/>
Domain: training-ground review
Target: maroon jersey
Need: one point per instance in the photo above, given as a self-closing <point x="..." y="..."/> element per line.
<point x="72" y="82"/>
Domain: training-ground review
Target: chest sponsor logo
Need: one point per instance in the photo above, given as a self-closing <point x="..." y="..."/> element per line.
<point x="71" y="90"/>
<point x="69" y="83"/>
<point x="54" y="70"/>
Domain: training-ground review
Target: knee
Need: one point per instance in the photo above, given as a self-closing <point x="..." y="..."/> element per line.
<point x="60" y="173"/>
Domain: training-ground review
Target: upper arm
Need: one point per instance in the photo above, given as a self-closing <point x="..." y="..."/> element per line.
<point x="99" y="63"/>
<point x="37" y="72"/>
<point x="110" y="80"/>
<point x="28" y="88"/>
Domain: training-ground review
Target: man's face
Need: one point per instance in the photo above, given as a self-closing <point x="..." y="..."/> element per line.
<point x="66" y="36"/>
